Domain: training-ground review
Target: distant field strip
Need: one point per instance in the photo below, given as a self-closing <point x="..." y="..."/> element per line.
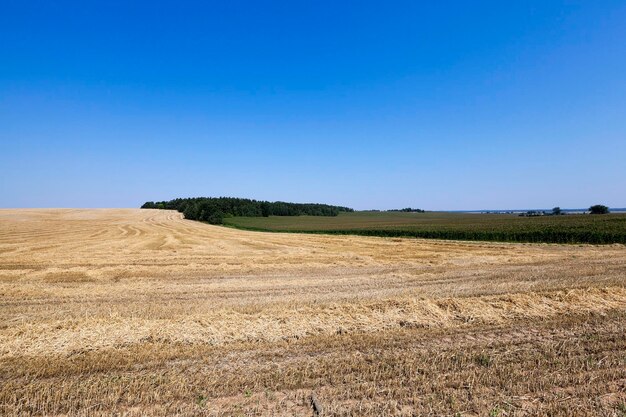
<point x="572" y="228"/>
<point x="141" y="312"/>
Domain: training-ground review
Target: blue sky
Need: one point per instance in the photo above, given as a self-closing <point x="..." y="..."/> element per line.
<point x="437" y="105"/>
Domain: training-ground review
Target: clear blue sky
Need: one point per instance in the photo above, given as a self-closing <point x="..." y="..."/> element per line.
<point x="437" y="105"/>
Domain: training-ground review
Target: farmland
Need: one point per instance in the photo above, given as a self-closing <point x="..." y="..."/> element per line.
<point x="573" y="228"/>
<point x="141" y="312"/>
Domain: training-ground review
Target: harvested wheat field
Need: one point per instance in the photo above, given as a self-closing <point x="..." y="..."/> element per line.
<point x="140" y="312"/>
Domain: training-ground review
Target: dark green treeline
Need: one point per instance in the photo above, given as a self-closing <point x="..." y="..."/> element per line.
<point x="214" y="209"/>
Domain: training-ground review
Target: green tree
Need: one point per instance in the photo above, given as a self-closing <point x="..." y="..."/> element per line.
<point x="265" y="209"/>
<point x="598" y="209"/>
<point x="216" y="217"/>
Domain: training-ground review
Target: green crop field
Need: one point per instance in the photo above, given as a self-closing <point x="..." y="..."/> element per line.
<point x="571" y="228"/>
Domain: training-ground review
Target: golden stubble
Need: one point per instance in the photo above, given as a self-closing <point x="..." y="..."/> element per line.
<point x="93" y="282"/>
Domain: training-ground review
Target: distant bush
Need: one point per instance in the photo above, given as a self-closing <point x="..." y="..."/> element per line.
<point x="213" y="210"/>
<point x="598" y="209"/>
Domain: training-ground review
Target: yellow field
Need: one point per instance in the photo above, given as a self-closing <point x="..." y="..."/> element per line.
<point x="140" y="312"/>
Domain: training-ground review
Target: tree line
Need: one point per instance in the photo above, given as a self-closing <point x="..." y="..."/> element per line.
<point x="556" y="211"/>
<point x="214" y="209"/>
<point x="408" y="210"/>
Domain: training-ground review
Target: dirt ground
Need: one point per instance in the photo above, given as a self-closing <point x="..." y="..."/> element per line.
<point x="140" y="312"/>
